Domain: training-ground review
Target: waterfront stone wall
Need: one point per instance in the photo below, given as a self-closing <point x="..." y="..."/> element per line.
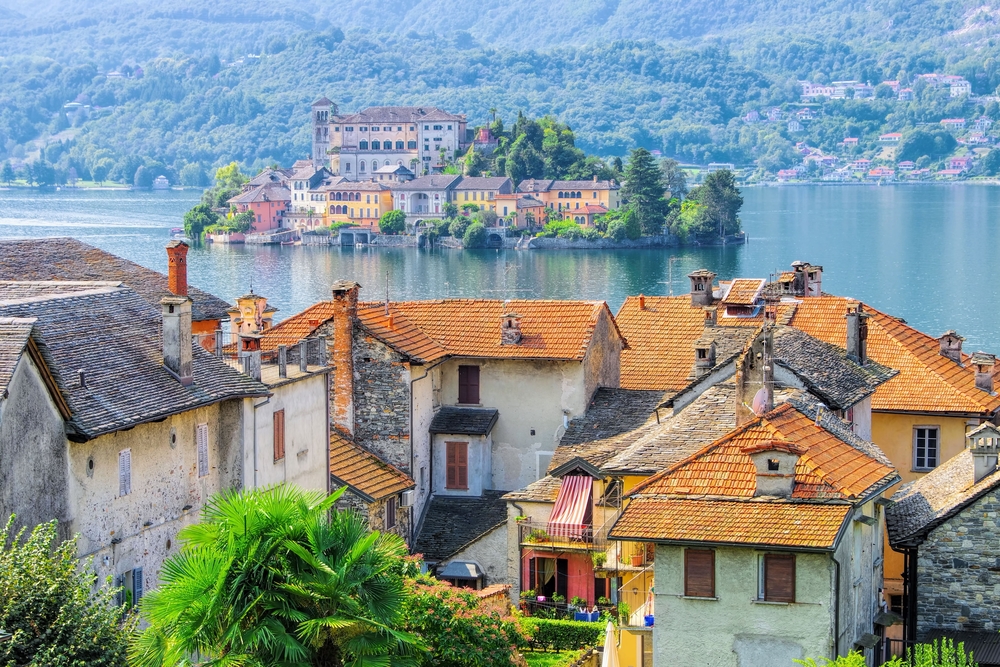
<point x="958" y="570"/>
<point x="542" y="243"/>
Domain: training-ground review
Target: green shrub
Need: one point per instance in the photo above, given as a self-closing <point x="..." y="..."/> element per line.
<point x="591" y="234"/>
<point x="392" y="222"/>
<point x="561" y="635"/>
<point x="458" y="226"/>
<point x="475" y="236"/>
<point x="942" y="653"/>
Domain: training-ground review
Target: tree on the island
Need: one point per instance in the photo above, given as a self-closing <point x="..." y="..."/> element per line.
<point x="278" y="576"/>
<point x="622" y="223"/>
<point x="475" y="236"/>
<point x="52" y="605"/>
<point x="475" y="162"/>
<point x="229" y="182"/>
<point x="524" y="160"/>
<point x="449" y="210"/>
<point x="458" y="226"/>
<point x="674" y="179"/>
<point x="722" y="201"/>
<point x="192" y="175"/>
<point x="643" y="192"/>
<point x="487" y="217"/>
<point x="143" y="177"/>
<point x="41" y="173"/>
<point x="392" y="222"/>
<point x="197" y="219"/>
<point x="242" y="223"/>
<point x="7" y="174"/>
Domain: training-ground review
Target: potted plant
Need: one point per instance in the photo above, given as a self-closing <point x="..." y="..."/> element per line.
<point x="538" y="535"/>
<point x="599" y="558"/>
<point x="638" y="555"/>
<point x="624" y="612"/>
<point x="528" y="594"/>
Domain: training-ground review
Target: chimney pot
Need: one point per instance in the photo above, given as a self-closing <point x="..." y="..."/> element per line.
<point x="984" y="364"/>
<point x="177" y="268"/>
<point x="642" y="302"/>
<point x="984" y="443"/>
<point x="951" y="345"/>
<point x="177" y="354"/>
<point x="510" y="329"/>
<point x="83" y="378"/>
<point x="701" y="287"/>
<point x="857" y="333"/>
<point x="711" y="316"/>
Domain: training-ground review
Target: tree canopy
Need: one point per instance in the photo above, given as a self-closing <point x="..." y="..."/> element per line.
<point x="392" y="222"/>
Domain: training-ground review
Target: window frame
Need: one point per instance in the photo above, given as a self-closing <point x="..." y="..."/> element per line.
<point x="937" y="447"/>
<point x="201" y="450"/>
<point x="459" y="463"/>
<point x="278" y="434"/>
<point x="125" y="472"/>
<point x="689" y="591"/>
<point x="391" y="510"/>
<point x="467" y="369"/>
<point x="762" y="594"/>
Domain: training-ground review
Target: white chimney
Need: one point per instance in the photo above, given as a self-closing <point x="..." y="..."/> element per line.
<point x="177" y="338"/>
<point x="951" y="345"/>
<point x="775" y="461"/>
<point x="984" y="443"/>
<point x="984" y="364"/>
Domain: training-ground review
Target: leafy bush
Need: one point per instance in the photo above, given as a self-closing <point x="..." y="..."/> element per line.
<point x="392" y="222"/>
<point x="475" y="236"/>
<point x="198" y="219"/>
<point x="942" y="653"/>
<point x="591" y="234"/>
<point x="49" y="604"/>
<point x="561" y="635"/>
<point x="458" y="226"/>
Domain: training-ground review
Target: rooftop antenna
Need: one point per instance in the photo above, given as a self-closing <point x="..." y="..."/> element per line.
<point x="251" y="283"/>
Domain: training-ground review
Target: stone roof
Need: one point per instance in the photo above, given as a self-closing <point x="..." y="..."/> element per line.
<point x="65" y="259"/>
<point x="363" y="471"/>
<point x="268" y="176"/>
<point x="921" y="506"/>
<point x="116" y="339"/>
<point x="451" y="523"/>
<point x="14" y="335"/>
<point x="482" y="183"/>
<point x="322" y="102"/>
<point x="431" y="182"/>
<point x="266" y="192"/>
<point x="544" y="490"/>
<point x="454" y="420"/>
<point x="397" y="115"/>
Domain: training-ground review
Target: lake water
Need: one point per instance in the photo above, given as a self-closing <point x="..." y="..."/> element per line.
<point x="926" y="253"/>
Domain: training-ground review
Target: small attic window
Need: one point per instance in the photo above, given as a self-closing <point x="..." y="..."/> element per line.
<point x="772" y="465"/>
<point x="702" y="353"/>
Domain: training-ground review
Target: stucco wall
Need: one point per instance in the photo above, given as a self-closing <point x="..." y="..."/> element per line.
<point x="602" y="363"/>
<point x="33" y="467"/>
<point x="479" y="464"/>
<point x="306" y="461"/>
<point x="958" y="570"/>
<point x="489" y="552"/>
<point x="164" y="481"/>
<point x="530" y="395"/>
<point x="734" y="630"/>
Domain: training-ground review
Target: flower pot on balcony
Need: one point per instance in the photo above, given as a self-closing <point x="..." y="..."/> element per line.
<point x="637" y="560"/>
<point x="648" y="620"/>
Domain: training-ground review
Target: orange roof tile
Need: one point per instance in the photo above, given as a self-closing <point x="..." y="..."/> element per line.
<point x="758" y="523"/>
<point x="744" y="292"/>
<point x="399" y="332"/>
<point x="363" y="471"/>
<point x="828" y="468"/>
<point x="927" y="381"/>
<point x="297" y="327"/>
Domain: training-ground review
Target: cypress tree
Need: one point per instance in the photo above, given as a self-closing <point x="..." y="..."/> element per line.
<point x="643" y="191"/>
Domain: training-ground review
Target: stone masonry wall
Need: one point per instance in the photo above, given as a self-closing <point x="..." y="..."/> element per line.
<point x="374" y="513"/>
<point x="958" y="571"/>
<point x="381" y="401"/>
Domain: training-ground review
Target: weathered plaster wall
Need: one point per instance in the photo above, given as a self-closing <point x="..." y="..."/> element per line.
<point x="531" y="396"/>
<point x="602" y="363"/>
<point x="734" y="630"/>
<point x="423" y="412"/>
<point x="489" y="553"/>
<point x="374" y="512"/>
<point x="480" y="474"/>
<point x="165" y="479"/>
<point x="306" y="462"/>
<point x="33" y="467"/>
<point x="958" y="570"/>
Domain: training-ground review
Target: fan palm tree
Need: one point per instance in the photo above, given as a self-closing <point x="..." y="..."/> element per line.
<point x="276" y="576"/>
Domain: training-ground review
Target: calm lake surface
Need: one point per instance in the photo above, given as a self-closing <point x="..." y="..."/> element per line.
<point x="926" y="253"/>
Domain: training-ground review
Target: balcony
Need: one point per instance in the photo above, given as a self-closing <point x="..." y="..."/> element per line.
<point x="276" y="366"/>
<point x="535" y="535"/>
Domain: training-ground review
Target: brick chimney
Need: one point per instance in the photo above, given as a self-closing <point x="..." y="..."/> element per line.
<point x="177" y="270"/>
<point x="701" y="287"/>
<point x="984" y="365"/>
<point x="984" y="443"/>
<point x="510" y="329"/>
<point x="345" y="313"/>
<point x="857" y="333"/>
<point x="177" y="338"/>
<point x="775" y="461"/>
<point x="951" y="345"/>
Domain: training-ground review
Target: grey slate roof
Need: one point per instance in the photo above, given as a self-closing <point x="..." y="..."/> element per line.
<point x="397" y="115"/>
<point x="984" y="647"/>
<point x="612" y="412"/>
<point x="485" y="183"/>
<point x="14" y="334"/>
<point x="921" y="506"/>
<point x="69" y="259"/>
<point x="116" y="339"/>
<point x="453" y="522"/>
<point x="544" y="490"/>
<point x="454" y="420"/>
<point x="825" y="369"/>
<point x="432" y="182"/>
<point x="266" y="192"/>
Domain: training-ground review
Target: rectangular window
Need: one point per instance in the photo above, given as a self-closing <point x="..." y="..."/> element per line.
<point x="348" y="129"/>
<point x="925" y="447"/>
<point x="279" y="435"/>
<point x="390" y="513"/>
<point x="468" y="385"/>
<point x="699" y="573"/>
<point x="201" y="436"/>
<point x="124" y="472"/>
<point x="777" y="578"/>
<point x="457" y="465"/>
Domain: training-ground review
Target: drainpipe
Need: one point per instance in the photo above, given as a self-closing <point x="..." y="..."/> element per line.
<point x="520" y="557"/>
<point x="836" y="616"/>
<point x="258" y="405"/>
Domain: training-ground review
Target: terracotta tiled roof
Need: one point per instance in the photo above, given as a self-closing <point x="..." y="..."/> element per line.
<point x="743" y="292"/>
<point x="297" y="327"/>
<point x="756" y="522"/>
<point x="401" y="333"/>
<point x="363" y="471"/>
<point x="927" y="381"/>
<point x="832" y="467"/>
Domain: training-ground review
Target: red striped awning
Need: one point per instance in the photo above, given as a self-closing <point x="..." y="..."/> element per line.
<point x="573" y="513"/>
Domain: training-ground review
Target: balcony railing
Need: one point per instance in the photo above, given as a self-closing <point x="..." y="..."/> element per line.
<point x="535" y="534"/>
<point x="244" y="353"/>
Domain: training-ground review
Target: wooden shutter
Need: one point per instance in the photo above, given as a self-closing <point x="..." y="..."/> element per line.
<point x="137" y="585"/>
<point x="390" y="512"/>
<point x="779" y="578"/>
<point x="532" y="574"/>
<point x="279" y="435"/>
<point x="201" y="436"/>
<point x="451" y="464"/>
<point x="699" y="573"/>
<point x="124" y="472"/>
<point x="468" y="384"/>
<point x="462" y="465"/>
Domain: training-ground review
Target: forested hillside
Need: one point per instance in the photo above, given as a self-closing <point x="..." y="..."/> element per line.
<point x="226" y="80"/>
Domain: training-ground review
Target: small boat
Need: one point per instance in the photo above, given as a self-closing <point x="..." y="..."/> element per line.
<point x="291" y="243"/>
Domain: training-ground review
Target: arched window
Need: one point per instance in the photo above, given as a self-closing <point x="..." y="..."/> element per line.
<point x="561" y="195"/>
<point x="332" y="209"/>
<point x="363" y="145"/>
<point x="579" y="195"/>
<point x="399" y="145"/>
<point x="357" y="196"/>
<point x="337" y="196"/>
<point x="361" y="167"/>
<point x="376" y="145"/>
<point x="399" y="162"/>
